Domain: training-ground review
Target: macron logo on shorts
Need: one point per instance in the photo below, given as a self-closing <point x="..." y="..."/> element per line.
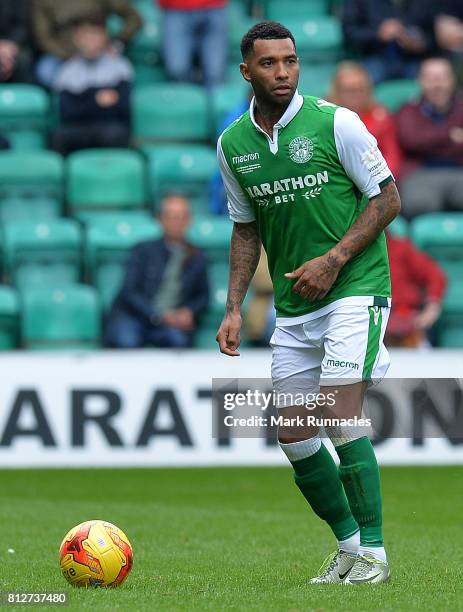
<point x="351" y="365"/>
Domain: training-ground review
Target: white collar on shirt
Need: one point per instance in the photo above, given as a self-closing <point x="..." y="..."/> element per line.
<point x="289" y="114"/>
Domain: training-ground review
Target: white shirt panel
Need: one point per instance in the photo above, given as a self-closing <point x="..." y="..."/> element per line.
<point x="358" y="152"/>
<point x="239" y="208"/>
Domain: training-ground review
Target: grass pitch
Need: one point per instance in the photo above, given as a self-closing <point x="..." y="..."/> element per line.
<point x="229" y="539"/>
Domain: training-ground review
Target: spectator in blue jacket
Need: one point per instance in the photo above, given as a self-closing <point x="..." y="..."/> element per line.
<point x="165" y="290"/>
<point x="94" y="92"/>
<point x="391" y="36"/>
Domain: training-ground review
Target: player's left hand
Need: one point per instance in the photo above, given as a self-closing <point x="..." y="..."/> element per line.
<point x="315" y="277"/>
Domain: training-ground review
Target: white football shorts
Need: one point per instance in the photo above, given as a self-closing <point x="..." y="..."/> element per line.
<point x="341" y="347"/>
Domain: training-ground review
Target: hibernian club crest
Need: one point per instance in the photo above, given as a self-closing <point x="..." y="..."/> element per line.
<point x="301" y="149"/>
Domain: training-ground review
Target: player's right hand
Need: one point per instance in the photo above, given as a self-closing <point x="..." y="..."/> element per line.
<point x="228" y="335"/>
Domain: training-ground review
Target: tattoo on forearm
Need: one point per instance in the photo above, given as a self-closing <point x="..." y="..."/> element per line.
<point x="244" y="257"/>
<point x="379" y="212"/>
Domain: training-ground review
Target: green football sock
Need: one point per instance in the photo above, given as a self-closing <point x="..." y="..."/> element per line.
<point x="359" y="473"/>
<point x="318" y="479"/>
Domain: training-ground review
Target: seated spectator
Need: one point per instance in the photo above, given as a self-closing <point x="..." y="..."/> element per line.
<point x="430" y="132"/>
<point x="418" y="288"/>
<point x="259" y="321"/>
<point x="391" y="37"/>
<point x="353" y="89"/>
<point x="195" y="30"/>
<point x="15" y="57"/>
<point x="94" y="93"/>
<point x="449" y="32"/>
<point x="165" y="288"/>
<point x="54" y="21"/>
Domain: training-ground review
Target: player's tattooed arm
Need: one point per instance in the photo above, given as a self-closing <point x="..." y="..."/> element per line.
<point x="244" y="256"/>
<point x="315" y="278"/>
<point x="379" y="212"/>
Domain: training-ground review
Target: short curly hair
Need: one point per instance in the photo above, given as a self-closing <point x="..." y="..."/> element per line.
<point x="265" y="30"/>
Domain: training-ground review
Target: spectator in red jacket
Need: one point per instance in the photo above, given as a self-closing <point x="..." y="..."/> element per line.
<point x="418" y="288"/>
<point x="431" y="135"/>
<point x="195" y="29"/>
<point x="352" y="88"/>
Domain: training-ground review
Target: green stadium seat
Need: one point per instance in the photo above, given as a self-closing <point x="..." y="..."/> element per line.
<point x="169" y="112"/>
<point x="9" y="318"/>
<point x="105" y="179"/>
<point x="226" y="99"/>
<point x="31" y="174"/>
<point x="181" y="169"/>
<point x="24" y="115"/>
<point x="279" y="11"/>
<point x="146" y="74"/>
<point x="210" y="321"/>
<point x="43" y="253"/>
<point x="212" y="233"/>
<point x="439" y="234"/>
<point x="61" y="318"/>
<point x="315" y="79"/>
<point x="319" y="39"/>
<point x="393" y="94"/>
<point x="108" y="243"/>
<point x="450" y="324"/>
<point x="399" y="227"/>
<point x="32" y="209"/>
<point x="145" y="47"/>
<point x="240" y="27"/>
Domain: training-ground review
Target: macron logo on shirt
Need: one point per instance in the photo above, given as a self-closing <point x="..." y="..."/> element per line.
<point x="240" y="159"/>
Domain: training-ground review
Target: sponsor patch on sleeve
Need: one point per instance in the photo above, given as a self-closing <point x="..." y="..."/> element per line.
<point x="375" y="163"/>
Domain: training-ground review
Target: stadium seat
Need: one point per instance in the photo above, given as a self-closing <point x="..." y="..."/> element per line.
<point x="31" y="174"/>
<point x="225" y="100"/>
<point x="108" y="242"/>
<point x="393" y="94"/>
<point x="450" y="324"/>
<point x="32" y="209"/>
<point x="145" y="47"/>
<point x="45" y="252"/>
<point x="62" y="318"/>
<point x="170" y="112"/>
<point x="439" y="234"/>
<point x="319" y="39"/>
<point x="240" y="27"/>
<point x="9" y="318"/>
<point x="105" y="179"/>
<point x="399" y="227"/>
<point x="181" y="169"/>
<point x="279" y="11"/>
<point x="212" y="234"/>
<point x="315" y="79"/>
<point x="24" y="115"/>
<point x="210" y="321"/>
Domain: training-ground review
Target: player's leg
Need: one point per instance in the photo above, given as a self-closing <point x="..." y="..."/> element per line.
<point x="354" y="352"/>
<point x="315" y="472"/>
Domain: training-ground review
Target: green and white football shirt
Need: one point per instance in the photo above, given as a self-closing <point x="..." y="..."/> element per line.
<point x="305" y="186"/>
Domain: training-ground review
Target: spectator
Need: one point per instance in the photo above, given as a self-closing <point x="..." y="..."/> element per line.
<point x="260" y="316"/>
<point x="449" y="32"/>
<point x="431" y="135"/>
<point x="353" y="89"/>
<point x="195" y="29"/>
<point x="54" y="21"/>
<point x="418" y="288"/>
<point x="15" y="58"/>
<point x="391" y="36"/>
<point x="94" y="93"/>
<point x="165" y="288"/>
